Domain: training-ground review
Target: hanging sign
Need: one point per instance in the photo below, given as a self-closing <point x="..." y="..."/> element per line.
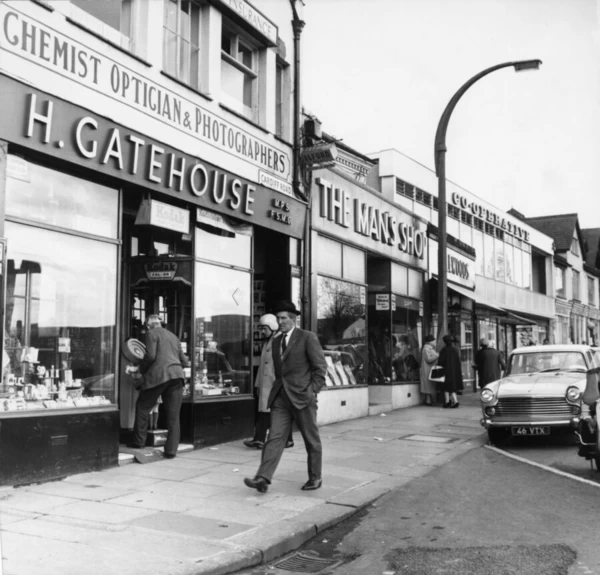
<point x="382" y="301"/>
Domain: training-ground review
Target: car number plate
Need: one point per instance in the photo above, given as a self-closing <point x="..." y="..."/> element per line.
<point x="533" y="430"/>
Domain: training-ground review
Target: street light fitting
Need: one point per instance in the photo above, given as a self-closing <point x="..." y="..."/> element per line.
<point x="527" y="65"/>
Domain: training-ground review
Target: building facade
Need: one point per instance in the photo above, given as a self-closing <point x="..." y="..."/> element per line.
<point x="500" y="275"/>
<point x="576" y="281"/>
<point x="146" y="166"/>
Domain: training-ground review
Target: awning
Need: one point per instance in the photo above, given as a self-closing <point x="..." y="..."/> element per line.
<point x="479" y="301"/>
<point x="515" y="319"/>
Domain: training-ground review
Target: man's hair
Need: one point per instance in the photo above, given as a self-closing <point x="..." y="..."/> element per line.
<point x="153" y="321"/>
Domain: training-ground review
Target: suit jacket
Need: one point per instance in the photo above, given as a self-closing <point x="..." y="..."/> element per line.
<point x="164" y="359"/>
<point x="301" y="370"/>
<point x="489" y="362"/>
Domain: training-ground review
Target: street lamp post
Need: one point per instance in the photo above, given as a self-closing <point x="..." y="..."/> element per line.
<point x="440" y="171"/>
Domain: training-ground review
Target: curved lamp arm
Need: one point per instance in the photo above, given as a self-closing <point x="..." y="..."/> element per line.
<point x="440" y="135"/>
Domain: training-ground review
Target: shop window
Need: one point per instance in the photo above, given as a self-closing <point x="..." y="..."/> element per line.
<point x="53" y="198"/>
<point x="111" y="19"/>
<point x="353" y="264"/>
<point x="499" y="260"/>
<point x="182" y="41"/>
<point x="232" y="248"/>
<point x="518" y="267"/>
<point x="151" y="242"/>
<point x="490" y="257"/>
<point x="239" y="72"/>
<point x="576" y="286"/>
<point x="399" y="279"/>
<point x="328" y="256"/>
<point x="526" y="270"/>
<point x="60" y="321"/>
<point x="479" y="252"/>
<point x="509" y="264"/>
<point x="415" y="284"/>
<point x="406" y="344"/>
<point x="341" y="328"/>
<point x="222" y="335"/>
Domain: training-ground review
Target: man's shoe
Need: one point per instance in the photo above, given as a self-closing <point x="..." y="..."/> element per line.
<point x="134" y="446"/>
<point x="170" y="455"/>
<point x="312" y="484"/>
<point x="258" y="483"/>
<point x="289" y="444"/>
<point x="455" y="404"/>
<point x="254" y="443"/>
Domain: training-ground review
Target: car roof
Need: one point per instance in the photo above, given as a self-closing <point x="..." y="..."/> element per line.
<point x="549" y="348"/>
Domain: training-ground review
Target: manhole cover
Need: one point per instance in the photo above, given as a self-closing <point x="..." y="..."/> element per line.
<point x="429" y="438"/>
<point x="305" y="563"/>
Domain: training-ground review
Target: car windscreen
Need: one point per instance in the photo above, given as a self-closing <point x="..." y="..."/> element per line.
<point x="547" y="361"/>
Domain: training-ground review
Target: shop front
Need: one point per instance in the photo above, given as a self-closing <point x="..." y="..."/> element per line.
<point x="368" y="260"/>
<point x="104" y="225"/>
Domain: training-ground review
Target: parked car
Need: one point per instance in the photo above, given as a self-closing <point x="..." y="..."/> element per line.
<point x="540" y="392"/>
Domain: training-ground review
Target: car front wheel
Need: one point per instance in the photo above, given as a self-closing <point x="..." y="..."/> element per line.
<point x="497" y="436"/>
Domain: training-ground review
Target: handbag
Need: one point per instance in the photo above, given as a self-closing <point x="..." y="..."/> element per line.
<point x="437" y="373"/>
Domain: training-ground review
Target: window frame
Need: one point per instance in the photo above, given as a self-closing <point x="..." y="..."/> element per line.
<point x="192" y="77"/>
<point x="237" y="38"/>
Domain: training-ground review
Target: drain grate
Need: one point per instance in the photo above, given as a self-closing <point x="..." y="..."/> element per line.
<point x="429" y="438"/>
<point x="304" y="563"/>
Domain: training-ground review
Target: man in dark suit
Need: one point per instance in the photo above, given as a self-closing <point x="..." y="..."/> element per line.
<point x="300" y="369"/>
<point x="162" y="368"/>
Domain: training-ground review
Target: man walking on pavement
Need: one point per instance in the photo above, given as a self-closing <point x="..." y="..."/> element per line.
<point x="300" y="369"/>
<point x="488" y="362"/>
<point x="162" y="368"/>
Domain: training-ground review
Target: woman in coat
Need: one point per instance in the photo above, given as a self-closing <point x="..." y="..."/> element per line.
<point x="265" y="377"/>
<point x="450" y="360"/>
<point x="429" y="357"/>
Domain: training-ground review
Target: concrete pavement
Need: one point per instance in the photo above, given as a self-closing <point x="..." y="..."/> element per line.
<point x="192" y="515"/>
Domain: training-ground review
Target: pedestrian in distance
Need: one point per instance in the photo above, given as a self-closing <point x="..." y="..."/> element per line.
<point x="453" y="382"/>
<point x="429" y="357"/>
<point x="300" y="369"/>
<point x="162" y="369"/>
<point x="489" y="363"/>
<point x="265" y="377"/>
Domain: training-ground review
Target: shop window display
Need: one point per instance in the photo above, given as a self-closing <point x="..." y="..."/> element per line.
<point x="60" y="321"/>
<point x="341" y="328"/>
<point x="222" y="339"/>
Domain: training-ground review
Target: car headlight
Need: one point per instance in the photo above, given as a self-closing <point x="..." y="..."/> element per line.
<point x="573" y="393"/>
<point x="487" y="395"/>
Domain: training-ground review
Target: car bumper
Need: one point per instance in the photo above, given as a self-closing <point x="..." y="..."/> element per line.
<point x="572" y="422"/>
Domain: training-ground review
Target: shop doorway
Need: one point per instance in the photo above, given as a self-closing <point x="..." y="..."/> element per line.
<point x="157" y="275"/>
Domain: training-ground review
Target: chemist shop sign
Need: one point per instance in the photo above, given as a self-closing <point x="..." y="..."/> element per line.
<point x="32" y="40"/>
<point x="355" y="215"/>
<point x="51" y="126"/>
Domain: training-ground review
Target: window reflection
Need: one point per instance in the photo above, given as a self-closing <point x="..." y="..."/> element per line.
<point x="60" y="301"/>
<point x="222" y="345"/>
<point x="224" y="247"/>
<point x="341" y="328"/>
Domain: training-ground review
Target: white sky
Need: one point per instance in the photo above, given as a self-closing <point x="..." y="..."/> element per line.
<point x="379" y="73"/>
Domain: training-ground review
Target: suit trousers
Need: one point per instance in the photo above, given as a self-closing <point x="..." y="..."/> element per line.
<point x="172" y="396"/>
<point x="283" y="415"/>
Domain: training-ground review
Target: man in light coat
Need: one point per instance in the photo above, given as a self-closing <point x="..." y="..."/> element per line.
<point x="300" y="369"/>
<point x="162" y="368"/>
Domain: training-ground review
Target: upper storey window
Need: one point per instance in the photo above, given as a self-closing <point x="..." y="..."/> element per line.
<point x="239" y="72"/>
<point x="182" y="41"/>
<point x="112" y="19"/>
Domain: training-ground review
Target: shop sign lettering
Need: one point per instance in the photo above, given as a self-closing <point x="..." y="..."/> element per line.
<point x="160" y="271"/>
<point x="490" y="217"/>
<point x="30" y="39"/>
<point x="458" y="267"/>
<point x="278" y="213"/>
<point x="126" y="152"/>
<point x="336" y="205"/>
<point x="254" y="18"/>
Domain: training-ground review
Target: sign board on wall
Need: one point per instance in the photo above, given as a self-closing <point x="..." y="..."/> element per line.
<point x="54" y="127"/>
<point x="355" y="215"/>
<point x="155" y="213"/>
<point x="124" y="86"/>
<point x="460" y="268"/>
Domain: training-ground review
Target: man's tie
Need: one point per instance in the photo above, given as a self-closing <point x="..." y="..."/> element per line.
<point x="283" y="343"/>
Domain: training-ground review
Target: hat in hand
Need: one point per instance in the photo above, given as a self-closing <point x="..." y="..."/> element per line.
<point x="286" y="306"/>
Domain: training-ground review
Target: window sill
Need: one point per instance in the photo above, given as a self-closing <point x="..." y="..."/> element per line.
<point x="51" y="412"/>
<point x="187" y="86"/>
<point x="342" y="387"/>
<point x="241" y="116"/>
<point x="107" y="41"/>
<point x="43" y="5"/>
